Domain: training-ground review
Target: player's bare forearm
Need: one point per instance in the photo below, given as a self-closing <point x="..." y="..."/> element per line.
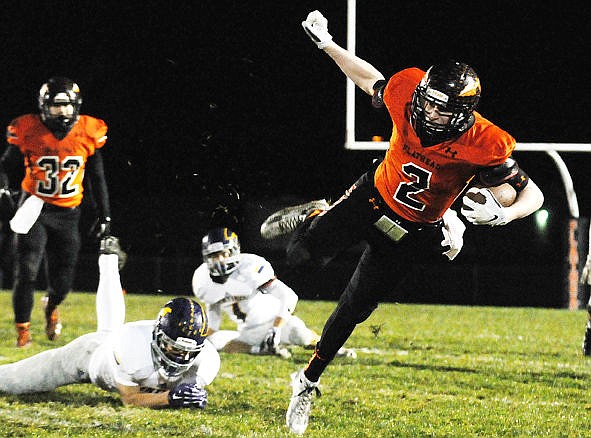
<point x="361" y="72"/>
<point x="528" y="201"/>
<point x="131" y="396"/>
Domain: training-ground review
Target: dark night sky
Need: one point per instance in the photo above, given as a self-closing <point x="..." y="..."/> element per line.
<point x="206" y="97"/>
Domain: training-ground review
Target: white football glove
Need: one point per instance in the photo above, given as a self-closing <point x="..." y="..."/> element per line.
<point x="271" y="342"/>
<point x="453" y="232"/>
<point x="316" y="26"/>
<point x="586" y="273"/>
<point x="490" y="213"/>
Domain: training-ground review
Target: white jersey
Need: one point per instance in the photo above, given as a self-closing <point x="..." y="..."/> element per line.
<point x="253" y="298"/>
<point x="125" y="358"/>
<point x="116" y="354"/>
<point x="239" y="295"/>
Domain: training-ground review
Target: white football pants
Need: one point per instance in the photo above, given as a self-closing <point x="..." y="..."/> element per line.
<point x="69" y="364"/>
<point x="294" y="332"/>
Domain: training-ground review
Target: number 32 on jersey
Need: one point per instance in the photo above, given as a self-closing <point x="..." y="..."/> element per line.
<point x="60" y="178"/>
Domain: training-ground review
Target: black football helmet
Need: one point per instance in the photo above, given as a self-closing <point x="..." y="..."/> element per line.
<point x="59" y="91"/>
<point x="178" y="336"/>
<point x="454" y="87"/>
<point x="220" y="249"/>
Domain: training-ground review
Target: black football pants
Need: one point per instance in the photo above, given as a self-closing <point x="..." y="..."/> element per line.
<point x="382" y="266"/>
<point x="54" y="234"/>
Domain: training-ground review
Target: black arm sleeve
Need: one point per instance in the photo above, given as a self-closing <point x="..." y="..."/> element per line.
<point x="10" y="158"/>
<point x="96" y="171"/>
<point x="11" y="165"/>
<point x="509" y="172"/>
<point x="377" y="99"/>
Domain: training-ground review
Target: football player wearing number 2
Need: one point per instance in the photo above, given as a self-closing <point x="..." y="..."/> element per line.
<point x="401" y="207"/>
<point x="59" y="147"/>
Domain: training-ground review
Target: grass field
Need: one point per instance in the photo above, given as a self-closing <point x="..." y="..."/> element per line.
<point x="422" y="370"/>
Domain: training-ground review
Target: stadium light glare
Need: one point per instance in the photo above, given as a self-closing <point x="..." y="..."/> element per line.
<point x="541" y="217"/>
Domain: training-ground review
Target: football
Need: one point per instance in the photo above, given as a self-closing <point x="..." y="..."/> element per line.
<point x="505" y="194"/>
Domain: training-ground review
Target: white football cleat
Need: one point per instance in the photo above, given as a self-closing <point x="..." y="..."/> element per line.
<point x="298" y="412"/>
<point x="285" y="221"/>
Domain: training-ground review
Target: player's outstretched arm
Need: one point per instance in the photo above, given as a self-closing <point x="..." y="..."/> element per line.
<point x="131" y="396"/>
<point x="184" y="395"/>
<point x="362" y="73"/>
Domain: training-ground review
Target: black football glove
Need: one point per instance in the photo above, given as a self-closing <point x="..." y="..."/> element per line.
<point x="100" y="228"/>
<point x="270" y="344"/>
<point x="187" y="395"/>
<point x="104" y="227"/>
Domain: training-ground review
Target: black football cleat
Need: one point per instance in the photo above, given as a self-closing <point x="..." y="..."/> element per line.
<point x="587" y="341"/>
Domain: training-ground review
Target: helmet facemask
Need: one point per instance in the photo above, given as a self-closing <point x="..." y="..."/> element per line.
<point x="454" y="89"/>
<point x="173" y="357"/>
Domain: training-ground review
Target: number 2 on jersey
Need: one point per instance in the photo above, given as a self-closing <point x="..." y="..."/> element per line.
<point x="420" y="182"/>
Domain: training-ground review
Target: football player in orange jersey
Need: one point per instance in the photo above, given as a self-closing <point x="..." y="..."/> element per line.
<point x="59" y="147"/>
<point x="401" y="207"/>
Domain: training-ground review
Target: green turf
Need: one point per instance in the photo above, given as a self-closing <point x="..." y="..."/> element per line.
<point x="422" y="370"/>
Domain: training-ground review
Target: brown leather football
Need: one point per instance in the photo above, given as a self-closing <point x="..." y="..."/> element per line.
<point x="505" y="194"/>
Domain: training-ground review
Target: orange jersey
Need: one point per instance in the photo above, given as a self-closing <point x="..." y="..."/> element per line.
<point x="420" y="183"/>
<point x="54" y="169"/>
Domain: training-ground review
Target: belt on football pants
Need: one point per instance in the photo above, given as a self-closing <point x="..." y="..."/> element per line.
<point x="392" y="225"/>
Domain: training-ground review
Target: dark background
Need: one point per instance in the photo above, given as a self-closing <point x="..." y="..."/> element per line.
<point x="228" y="103"/>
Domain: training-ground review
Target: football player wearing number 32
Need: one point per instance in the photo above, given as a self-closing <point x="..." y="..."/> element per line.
<point x="59" y="147"/>
<point x="401" y="206"/>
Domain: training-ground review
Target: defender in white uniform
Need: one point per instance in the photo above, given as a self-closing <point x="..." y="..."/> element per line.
<point x="166" y="362"/>
<point x="244" y="287"/>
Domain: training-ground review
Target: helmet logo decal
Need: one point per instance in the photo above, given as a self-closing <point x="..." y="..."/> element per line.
<point x="165" y="311"/>
<point x="472" y="87"/>
<point x="229" y="234"/>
